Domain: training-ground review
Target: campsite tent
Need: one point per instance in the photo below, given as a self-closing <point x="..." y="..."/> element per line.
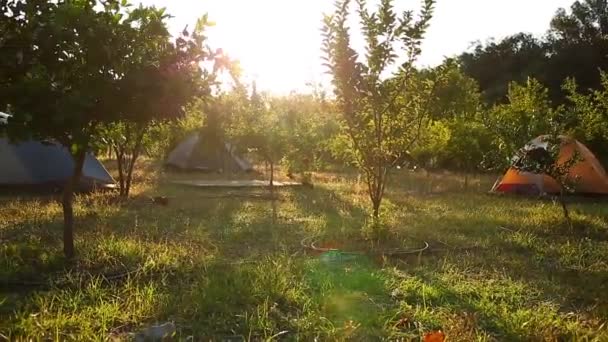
<point x="195" y="154"/>
<point x="38" y="165"/>
<point x="592" y="178"/>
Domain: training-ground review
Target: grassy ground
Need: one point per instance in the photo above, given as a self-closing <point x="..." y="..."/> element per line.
<point x="226" y="267"/>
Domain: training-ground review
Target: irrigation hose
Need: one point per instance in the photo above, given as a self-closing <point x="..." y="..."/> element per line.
<point x="307" y="243"/>
<point x="402" y="251"/>
<point x="64" y="282"/>
<point x="391" y="252"/>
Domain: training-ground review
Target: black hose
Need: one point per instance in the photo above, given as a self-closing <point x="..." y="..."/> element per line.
<point x="64" y="282"/>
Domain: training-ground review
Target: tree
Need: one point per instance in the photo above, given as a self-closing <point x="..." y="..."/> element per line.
<point x="589" y="115"/>
<point x="545" y="161"/>
<point x="578" y="46"/>
<point x="382" y="115"/>
<point x="430" y="149"/>
<point x="575" y="45"/>
<point x="310" y="124"/>
<point x="58" y="72"/>
<point x="70" y="67"/>
<point x="468" y="146"/>
<point x="456" y="138"/>
<point x="527" y="115"/>
<point x="497" y="63"/>
<point x="262" y="128"/>
<point x="457" y="95"/>
<point x="588" y="20"/>
<point x="159" y="79"/>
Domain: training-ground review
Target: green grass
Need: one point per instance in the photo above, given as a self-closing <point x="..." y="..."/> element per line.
<point x="499" y="268"/>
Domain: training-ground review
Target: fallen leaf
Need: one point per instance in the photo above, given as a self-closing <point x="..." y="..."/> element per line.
<point x="434" y="336"/>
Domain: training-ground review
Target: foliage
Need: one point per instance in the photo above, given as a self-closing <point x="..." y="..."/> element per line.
<point x="455" y="139"/>
<point x="311" y="125"/>
<point x="457" y="95"/>
<point x="527" y="115"/>
<point x="383" y="116"/>
<point x="72" y="69"/>
<point x="587" y="20"/>
<point x="546" y="161"/>
<point x="574" y="46"/>
<point x="258" y="125"/>
<point x="589" y="112"/>
<point x="160" y="78"/>
<point x="497" y="63"/>
<point x="430" y="150"/>
<point x="469" y="145"/>
<point x="60" y="62"/>
<point x="294" y="130"/>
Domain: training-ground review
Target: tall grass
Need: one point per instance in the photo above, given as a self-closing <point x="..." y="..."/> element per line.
<point x="498" y="268"/>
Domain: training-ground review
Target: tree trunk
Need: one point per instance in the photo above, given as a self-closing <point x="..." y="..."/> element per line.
<point x="120" y="156"/>
<point x="376" y="207"/>
<point x="375" y="188"/>
<point x="466" y="180"/>
<point x="271" y="174"/>
<point x="562" y="202"/>
<point x="135" y="154"/>
<point x="274" y="204"/>
<point x="126" y="163"/>
<point x="67" y="203"/>
<point x="130" y="174"/>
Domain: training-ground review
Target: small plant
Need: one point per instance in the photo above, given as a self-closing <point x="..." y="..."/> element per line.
<point x="546" y="161"/>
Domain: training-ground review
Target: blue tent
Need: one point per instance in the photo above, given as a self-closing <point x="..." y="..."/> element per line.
<point x="34" y="163"/>
<point x="37" y="164"/>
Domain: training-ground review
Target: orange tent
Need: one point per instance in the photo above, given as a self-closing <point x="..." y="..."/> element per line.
<point x="592" y="178"/>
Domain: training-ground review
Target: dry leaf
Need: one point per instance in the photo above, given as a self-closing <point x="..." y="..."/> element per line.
<point x="434" y="336"/>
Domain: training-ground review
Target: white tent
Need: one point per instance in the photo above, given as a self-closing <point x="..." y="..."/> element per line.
<point x="193" y="154"/>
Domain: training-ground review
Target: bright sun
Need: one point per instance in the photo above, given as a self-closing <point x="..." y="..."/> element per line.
<point x="278" y="41"/>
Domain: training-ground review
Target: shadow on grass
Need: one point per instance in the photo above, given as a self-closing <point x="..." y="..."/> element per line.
<point x="225" y="267"/>
<point x="292" y="297"/>
<point x="133" y="247"/>
<point x="338" y="218"/>
<point x="518" y="239"/>
<point x="110" y="235"/>
<point x="256" y="287"/>
<point x="498" y="309"/>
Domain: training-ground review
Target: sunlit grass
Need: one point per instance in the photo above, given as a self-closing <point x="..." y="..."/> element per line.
<point x="498" y="268"/>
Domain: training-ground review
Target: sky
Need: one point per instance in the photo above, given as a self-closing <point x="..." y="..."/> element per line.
<point x="278" y="41"/>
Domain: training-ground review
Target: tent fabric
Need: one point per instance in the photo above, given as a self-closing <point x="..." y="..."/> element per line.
<point x="193" y="153"/>
<point x="180" y="156"/>
<point x="34" y="163"/>
<point x="592" y="178"/>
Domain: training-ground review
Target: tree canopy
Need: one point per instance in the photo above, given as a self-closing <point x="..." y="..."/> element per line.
<point x="575" y="46"/>
<point x="69" y="68"/>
